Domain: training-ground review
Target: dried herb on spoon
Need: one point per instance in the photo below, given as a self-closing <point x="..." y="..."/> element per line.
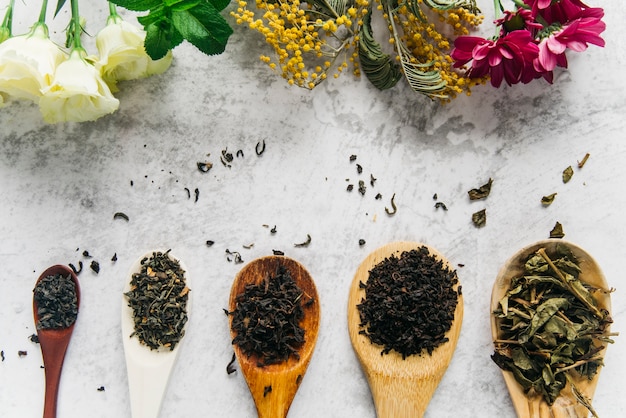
<point x="551" y="327"/>
<point x="57" y="302"/>
<point x="266" y="319"/>
<point x="158" y="297"/>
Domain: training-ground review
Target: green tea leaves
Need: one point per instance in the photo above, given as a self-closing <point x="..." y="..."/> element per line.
<point x="550" y="326"/>
<point x="169" y="22"/>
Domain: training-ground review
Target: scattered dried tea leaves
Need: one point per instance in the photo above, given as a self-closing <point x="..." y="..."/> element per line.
<point x="121" y="215"/>
<point x="267" y="316"/>
<point x="56" y="301"/>
<point x="2" y="355"/>
<point x="361" y="242"/>
<point x="441" y="205"/>
<point x="34" y="338"/>
<point x="76" y="270"/>
<point x="479" y="219"/>
<point x="158" y="298"/>
<point x="582" y="162"/>
<point x="95" y="266"/>
<point x="230" y="367"/>
<point x="394" y="208"/>
<point x="409" y="303"/>
<point x="547" y="200"/>
<point x="233" y="256"/>
<point x="481" y="192"/>
<point x="267" y="390"/>
<point x="557" y="231"/>
<point x="567" y="174"/>
<point x="22" y="353"/>
<point x="304" y="243"/>
<point x="204" y="167"/>
<point x="100" y="389"/>
<point x="260" y="147"/>
<point x="550" y="326"/>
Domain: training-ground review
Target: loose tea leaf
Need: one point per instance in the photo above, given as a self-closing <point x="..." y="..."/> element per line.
<point x="550" y="325"/>
<point x="409" y="303"/>
<point x="557" y="231"/>
<point x="304" y="243"/>
<point x="230" y="367"/>
<point x="394" y="209"/>
<point x="482" y="192"/>
<point x="567" y="174"/>
<point x="479" y="219"/>
<point x="57" y="302"/>
<point x="547" y="200"/>
<point x="158" y="297"/>
<point x="267" y="316"/>
<point x="582" y="162"/>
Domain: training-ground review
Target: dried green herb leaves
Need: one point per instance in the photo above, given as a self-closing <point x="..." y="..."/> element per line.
<point x="551" y="327"/>
<point x="548" y="199"/>
<point x="57" y="302"/>
<point x="567" y="174"/>
<point x="409" y="303"/>
<point x="158" y="297"/>
<point x="267" y="316"/>
<point x="479" y="219"/>
<point x="481" y="192"/>
<point x="557" y="231"/>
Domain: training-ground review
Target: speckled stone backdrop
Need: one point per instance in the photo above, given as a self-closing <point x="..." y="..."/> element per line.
<point x="61" y="185"/>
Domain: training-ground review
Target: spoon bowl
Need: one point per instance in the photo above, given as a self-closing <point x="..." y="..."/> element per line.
<point x="54" y="343"/>
<point x="400" y="388"/>
<point x="148" y="370"/>
<point x="566" y="405"/>
<point x="273" y="387"/>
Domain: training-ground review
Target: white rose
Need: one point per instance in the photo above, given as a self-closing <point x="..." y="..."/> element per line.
<point x="27" y="64"/>
<point x="77" y="94"/>
<point x="122" y="53"/>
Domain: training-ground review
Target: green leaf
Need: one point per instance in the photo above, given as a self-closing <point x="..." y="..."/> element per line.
<point x="137" y="5"/>
<point x="203" y="27"/>
<point x="219" y="4"/>
<point x="379" y="68"/>
<point x="60" y="5"/>
<point x="158" y="39"/>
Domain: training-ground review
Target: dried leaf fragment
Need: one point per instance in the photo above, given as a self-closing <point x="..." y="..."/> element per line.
<point x="479" y="219"/>
<point x="567" y="174"/>
<point x="547" y="200"/>
<point x="557" y="231"/>
<point x="582" y="162"/>
<point x="481" y="192"/>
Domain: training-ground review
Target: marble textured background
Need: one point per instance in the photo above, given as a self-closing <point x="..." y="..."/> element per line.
<point x="61" y="185"/>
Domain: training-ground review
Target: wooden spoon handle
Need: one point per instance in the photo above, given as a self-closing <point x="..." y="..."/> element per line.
<point x="402" y="397"/>
<point x="53" y="360"/>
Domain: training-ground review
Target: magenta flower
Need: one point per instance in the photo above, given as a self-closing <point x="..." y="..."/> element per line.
<point x="517" y="20"/>
<point x="576" y="35"/>
<point x="560" y="11"/>
<point x="509" y="58"/>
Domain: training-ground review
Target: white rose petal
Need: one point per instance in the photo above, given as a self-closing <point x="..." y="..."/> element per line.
<point x="77" y="94"/>
<point x="27" y="64"/>
<point x="122" y="53"/>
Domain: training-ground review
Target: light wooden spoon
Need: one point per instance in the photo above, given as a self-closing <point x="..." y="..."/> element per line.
<point x="566" y="405"/>
<point x="273" y="387"/>
<point x="400" y="388"/>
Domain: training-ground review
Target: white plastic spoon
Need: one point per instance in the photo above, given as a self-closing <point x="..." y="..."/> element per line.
<point x="148" y="370"/>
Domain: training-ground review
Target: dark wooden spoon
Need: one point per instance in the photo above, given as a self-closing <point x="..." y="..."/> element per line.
<point x="54" y="343"/>
<point x="283" y="378"/>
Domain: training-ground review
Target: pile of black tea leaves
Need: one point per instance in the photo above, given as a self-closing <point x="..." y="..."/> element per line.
<point x="409" y="303"/>
<point x="57" y="302"/>
<point x="158" y="297"/>
<point x="551" y="326"/>
<point x="267" y="316"/>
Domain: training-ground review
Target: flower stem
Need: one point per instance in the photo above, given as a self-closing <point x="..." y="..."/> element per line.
<point x="42" y="13"/>
<point x="113" y="16"/>
<point x="75" y="27"/>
